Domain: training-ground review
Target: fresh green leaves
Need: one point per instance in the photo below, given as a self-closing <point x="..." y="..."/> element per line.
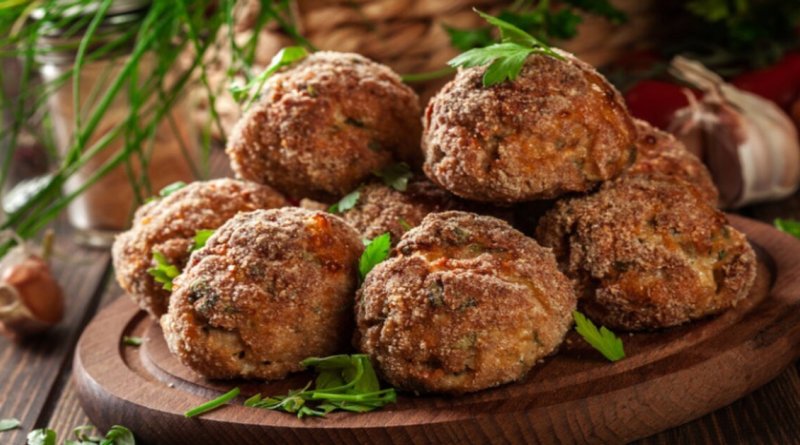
<point x="395" y="176"/>
<point x="132" y="341"/>
<point x="284" y="57"/>
<point x="790" y="226"/>
<point x="42" y="436"/>
<point x="164" y="271"/>
<point x="213" y="404"/>
<point x="9" y="424"/>
<point x="172" y="188"/>
<point x="506" y="59"/>
<point x="348" y="202"/>
<point x="375" y="252"/>
<point x="200" y="238"/>
<point x="343" y="382"/>
<point x="603" y="339"/>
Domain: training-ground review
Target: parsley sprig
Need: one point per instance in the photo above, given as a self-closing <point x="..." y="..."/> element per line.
<point x="376" y="252"/>
<point x="601" y="339"/>
<point x="164" y="271"/>
<point x="344" y="382"/>
<point x="790" y="226"/>
<point x="395" y="176"/>
<point x="346" y="203"/>
<point x="9" y="424"/>
<point x="252" y="90"/>
<point x="505" y="59"/>
<point x="84" y="435"/>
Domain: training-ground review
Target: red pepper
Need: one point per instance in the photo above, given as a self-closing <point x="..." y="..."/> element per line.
<point x="656" y="101"/>
<point x="779" y="83"/>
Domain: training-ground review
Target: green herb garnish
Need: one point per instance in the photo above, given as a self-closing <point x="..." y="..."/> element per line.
<point x="790" y="226"/>
<point x="405" y="225"/>
<point x="172" y="188"/>
<point x="375" y="253"/>
<point x="9" y="424"/>
<point x="213" y="404"/>
<point x="343" y="382"/>
<point x="42" y="436"/>
<point x="395" y="176"/>
<point x="201" y="238"/>
<point x="84" y="435"/>
<point x="132" y="341"/>
<point x="348" y="202"/>
<point x="603" y="339"/>
<point x="164" y="272"/>
<point x="285" y="57"/>
<point x="505" y="59"/>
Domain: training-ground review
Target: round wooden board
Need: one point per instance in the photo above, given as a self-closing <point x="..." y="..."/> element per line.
<point x="668" y="378"/>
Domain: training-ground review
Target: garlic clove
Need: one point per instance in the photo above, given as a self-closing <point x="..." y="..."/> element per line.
<point x="748" y="143"/>
<point x="30" y="298"/>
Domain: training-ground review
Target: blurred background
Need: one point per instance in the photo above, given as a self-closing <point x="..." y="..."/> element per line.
<point x="105" y="102"/>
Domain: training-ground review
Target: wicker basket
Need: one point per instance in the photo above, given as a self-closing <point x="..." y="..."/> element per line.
<point x="410" y="36"/>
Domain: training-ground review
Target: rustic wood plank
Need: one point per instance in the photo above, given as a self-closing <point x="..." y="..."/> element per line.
<point x="30" y="371"/>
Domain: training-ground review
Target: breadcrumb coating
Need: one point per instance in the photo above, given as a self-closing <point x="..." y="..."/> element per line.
<point x="168" y="226"/>
<point x="466" y="302"/>
<point x="324" y="124"/>
<point x="559" y="127"/>
<point x="649" y="252"/>
<point x="269" y="289"/>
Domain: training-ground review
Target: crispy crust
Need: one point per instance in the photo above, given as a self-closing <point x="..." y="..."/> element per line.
<point x="658" y="152"/>
<point x="270" y="288"/>
<point x="466" y="303"/>
<point x="383" y="209"/>
<point x="324" y="124"/>
<point x="559" y="127"/>
<point x="168" y="225"/>
<point x="649" y="252"/>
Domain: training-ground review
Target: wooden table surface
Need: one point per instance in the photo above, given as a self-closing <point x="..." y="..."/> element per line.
<point x="36" y="388"/>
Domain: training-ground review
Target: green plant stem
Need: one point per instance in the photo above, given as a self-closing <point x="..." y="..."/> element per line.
<point x="213" y="404"/>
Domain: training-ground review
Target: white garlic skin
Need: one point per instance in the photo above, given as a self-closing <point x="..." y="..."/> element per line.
<point x="748" y="143"/>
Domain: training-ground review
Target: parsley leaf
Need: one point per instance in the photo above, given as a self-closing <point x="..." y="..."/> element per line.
<point x="603" y="340"/>
<point x="284" y="57"/>
<point x="201" y="238"/>
<point x="395" y="176"/>
<point x="790" y="226"/>
<point x="213" y="404"/>
<point x="132" y="341"/>
<point x="505" y="59"/>
<point x="343" y="382"/>
<point x="348" y="202"/>
<point x="172" y="188"/>
<point x="164" y="272"/>
<point x="42" y="436"/>
<point x="375" y="253"/>
<point x="119" y="435"/>
<point x="9" y="424"/>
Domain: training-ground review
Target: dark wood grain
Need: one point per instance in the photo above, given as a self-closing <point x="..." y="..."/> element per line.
<point x="33" y="372"/>
<point x="668" y="378"/>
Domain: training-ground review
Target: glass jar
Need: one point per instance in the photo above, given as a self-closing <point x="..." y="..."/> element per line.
<point x="106" y="207"/>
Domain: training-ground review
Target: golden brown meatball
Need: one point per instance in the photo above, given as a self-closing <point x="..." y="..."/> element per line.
<point x="269" y="289"/>
<point x="559" y="127"/>
<point x="381" y="209"/>
<point x="168" y="226"/>
<point x="326" y="123"/>
<point x="466" y="303"/>
<point x="649" y="252"/>
<point x="659" y="152"/>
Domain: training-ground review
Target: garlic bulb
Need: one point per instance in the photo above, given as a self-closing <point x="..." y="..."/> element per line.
<point x="748" y="143"/>
<point x="30" y="298"/>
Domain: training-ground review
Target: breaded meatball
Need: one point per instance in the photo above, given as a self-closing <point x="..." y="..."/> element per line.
<point x="381" y="209"/>
<point x="269" y="289"/>
<point x="559" y="127"/>
<point x="324" y="124"/>
<point x="466" y="303"/>
<point x="659" y="152"/>
<point x="168" y="226"/>
<point x="649" y="252"/>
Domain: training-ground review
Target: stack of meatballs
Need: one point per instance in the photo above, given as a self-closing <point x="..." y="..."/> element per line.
<point x="466" y="301"/>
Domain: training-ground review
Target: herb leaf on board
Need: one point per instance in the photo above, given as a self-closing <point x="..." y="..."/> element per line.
<point x="603" y="339"/>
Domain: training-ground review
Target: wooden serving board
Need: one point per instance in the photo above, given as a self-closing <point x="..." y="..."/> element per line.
<point x="668" y="378"/>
